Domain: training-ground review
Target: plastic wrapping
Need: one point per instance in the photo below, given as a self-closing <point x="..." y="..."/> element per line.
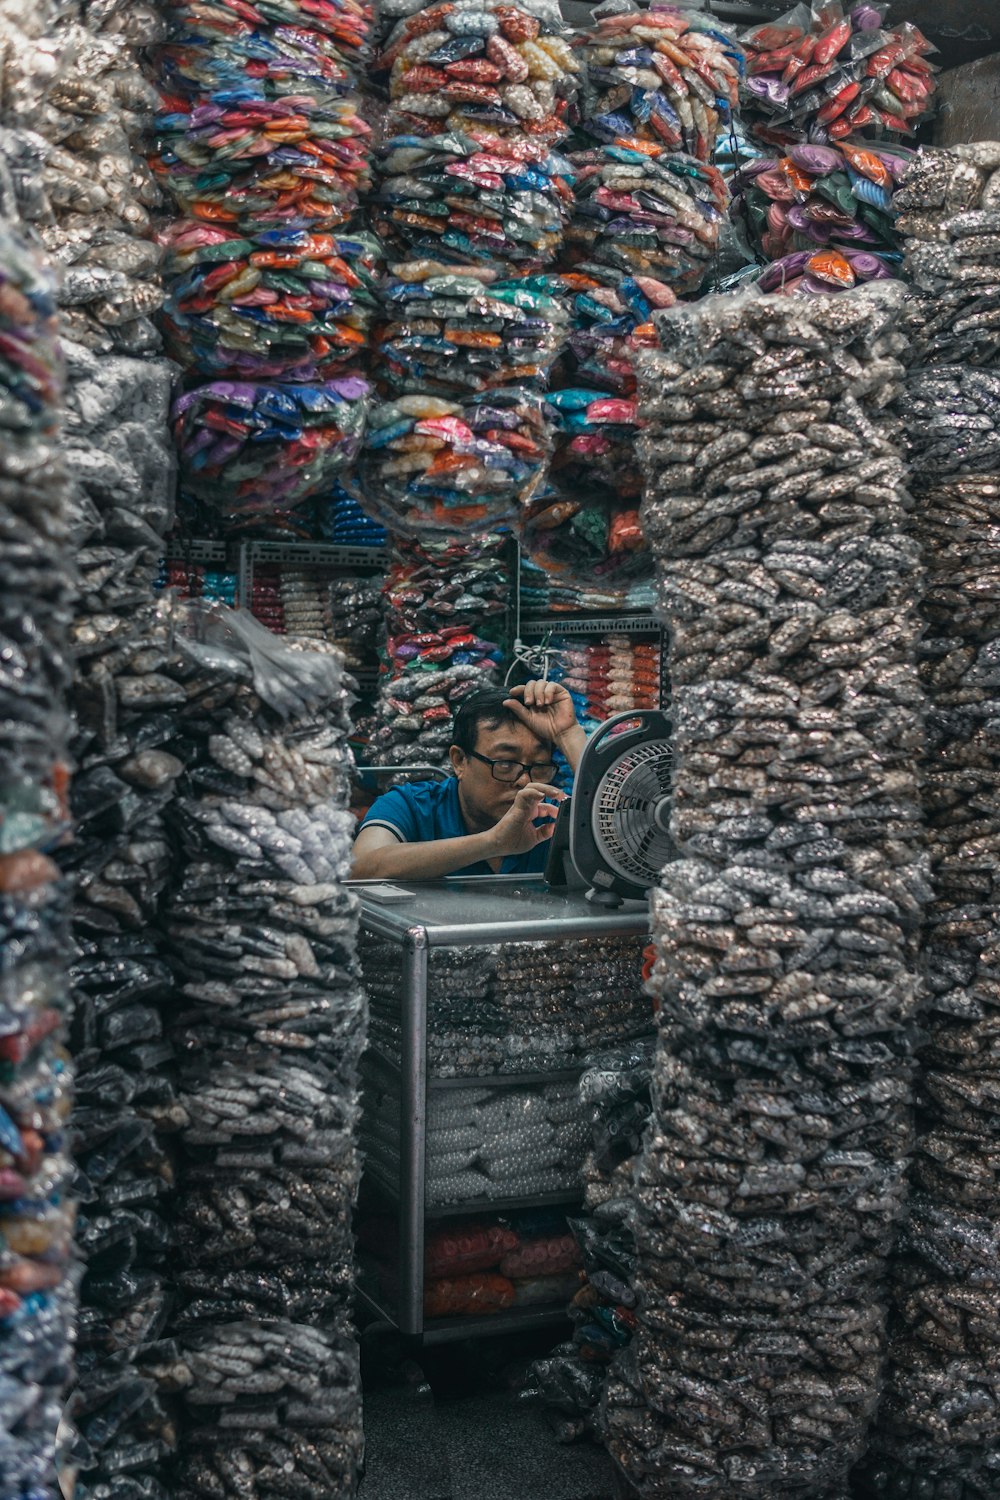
<point x="278" y="305"/>
<point x="546" y="589"/>
<point x="481" y="65"/>
<point x="950" y="217"/>
<point x="80" y="107"/>
<point x="445" y="606"/>
<point x="450" y="466"/>
<point x="248" y="450"/>
<point x="275" y="1399"/>
<point x="830" y="71"/>
<point x="257" y="127"/>
<point x="771" y="1179"/>
<point x="461" y="329"/>
<point x="938" y="1431"/>
<point x="934" y="1431"/>
<point x="515" y="1009"/>
<point x="823" y="215"/>
<point x="267" y="1020"/>
<point x="487" y="1145"/>
<point x="642" y="210"/>
<point x="38" y="1278"/>
<point x="464" y="197"/>
<point x="667" y="75"/>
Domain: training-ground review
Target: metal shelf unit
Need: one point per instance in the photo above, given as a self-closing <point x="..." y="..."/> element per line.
<point x="348" y="560"/>
<point x="466" y="913"/>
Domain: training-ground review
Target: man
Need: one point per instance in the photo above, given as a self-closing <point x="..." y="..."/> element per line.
<point x="496" y="814"/>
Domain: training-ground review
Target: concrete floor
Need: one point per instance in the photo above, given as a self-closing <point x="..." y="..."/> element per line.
<point x="466" y="1436"/>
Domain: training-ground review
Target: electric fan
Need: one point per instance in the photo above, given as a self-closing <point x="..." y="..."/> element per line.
<point x="616" y="824"/>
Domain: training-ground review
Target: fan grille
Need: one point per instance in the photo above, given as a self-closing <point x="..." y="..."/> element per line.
<point x="629" y="792"/>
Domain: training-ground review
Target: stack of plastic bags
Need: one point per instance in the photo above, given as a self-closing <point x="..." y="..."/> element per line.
<point x="484" y="1145"/>
<point x="646" y="220"/>
<point x="938" y="1432"/>
<point x="548" y="590"/>
<point x="519" y="1008"/>
<point x="607" y="677"/>
<point x="355" y="606"/>
<point x="477" y="1267"/>
<point x="465" y="329"/>
<point x="260" y="124"/>
<point x="658" y="84"/>
<point x="346" y="524"/>
<point x="445" y="611"/>
<point x="771" y="1182"/>
<point x="570" y="1381"/>
<point x="824" y="85"/>
<point x="124" y="704"/>
<point x="268" y="1018"/>
<point x="38" y="1279"/>
<point x="823" y="216"/>
<point x="825" y="72"/>
<point x="472" y="200"/>
<point x="252" y="450"/>
<point x="76" y="109"/>
<point x="282" y="304"/>
<point x="261" y="144"/>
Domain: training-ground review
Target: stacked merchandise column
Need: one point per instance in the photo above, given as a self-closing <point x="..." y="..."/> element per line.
<point x="771" y="1181"/>
<point x="444" y="611"/>
<point x="818" y="205"/>
<point x="38" y="1279"/>
<point x="570" y="1380"/>
<point x="472" y="201"/>
<point x="261" y="143"/>
<point x="938" y="1432"/>
<point x="89" y="198"/>
<point x="268" y="1020"/>
<point x="647" y="215"/>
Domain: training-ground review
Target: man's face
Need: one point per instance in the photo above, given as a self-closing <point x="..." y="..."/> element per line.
<point x="485" y="798"/>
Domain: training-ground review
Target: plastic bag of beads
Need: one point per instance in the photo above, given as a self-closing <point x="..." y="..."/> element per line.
<point x="461" y="1248"/>
<point x="467" y="1296"/>
<point x="545" y="1290"/>
<point x="481" y="64"/>
<point x="461" y="329"/>
<point x="432" y="464"/>
<point x="644" y="211"/>
<point x="823" y="215"/>
<point x="253" y="448"/>
<point x="825" y="74"/>
<point x="549" y="1256"/>
<point x="284" y="304"/>
<point x="666" y="74"/>
<point x="288" y="162"/>
<point x="462" y="197"/>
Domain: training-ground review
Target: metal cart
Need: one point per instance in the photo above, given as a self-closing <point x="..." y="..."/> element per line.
<point x="462" y="912"/>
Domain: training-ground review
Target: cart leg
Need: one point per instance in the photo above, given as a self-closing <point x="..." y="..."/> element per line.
<point x="413" y="1133"/>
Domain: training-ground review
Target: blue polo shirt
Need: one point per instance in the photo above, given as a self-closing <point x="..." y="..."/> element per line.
<point x="425" y="810"/>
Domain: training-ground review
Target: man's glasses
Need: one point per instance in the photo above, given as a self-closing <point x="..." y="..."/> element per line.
<point x="510" y="770"/>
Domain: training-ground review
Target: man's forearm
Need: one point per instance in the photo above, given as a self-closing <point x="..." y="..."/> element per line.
<point x="427" y="861"/>
<point x="571" y="744"/>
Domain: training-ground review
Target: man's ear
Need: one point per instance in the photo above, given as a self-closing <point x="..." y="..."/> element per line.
<point x="457" y="758"/>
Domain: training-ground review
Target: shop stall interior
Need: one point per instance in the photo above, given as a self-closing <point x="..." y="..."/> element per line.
<point x="638" y="363"/>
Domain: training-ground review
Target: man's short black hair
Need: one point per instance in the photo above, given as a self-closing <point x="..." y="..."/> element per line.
<point x="484" y="707"/>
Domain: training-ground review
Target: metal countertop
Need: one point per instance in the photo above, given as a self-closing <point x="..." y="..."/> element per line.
<point x="476" y="910"/>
